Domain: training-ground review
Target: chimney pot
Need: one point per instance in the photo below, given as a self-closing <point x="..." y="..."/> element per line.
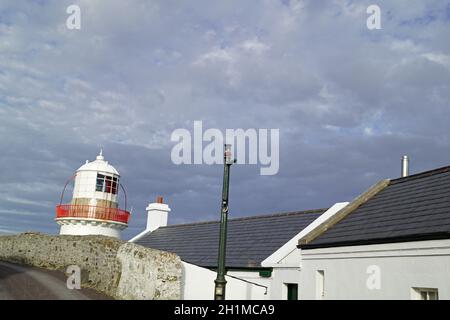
<point x="159" y="199"/>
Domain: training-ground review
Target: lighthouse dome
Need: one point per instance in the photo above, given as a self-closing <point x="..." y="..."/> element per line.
<point x="99" y="165"/>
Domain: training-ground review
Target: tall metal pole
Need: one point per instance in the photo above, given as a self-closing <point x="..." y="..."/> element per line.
<point x="219" y="290"/>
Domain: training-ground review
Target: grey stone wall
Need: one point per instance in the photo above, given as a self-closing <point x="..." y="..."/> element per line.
<point x="114" y="267"/>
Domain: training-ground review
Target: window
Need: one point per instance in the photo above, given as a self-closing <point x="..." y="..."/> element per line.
<point x="320" y="284"/>
<point x="292" y="291"/>
<point x="425" y="294"/>
<point x="106" y="184"/>
<point x="114" y="185"/>
<point x="100" y="182"/>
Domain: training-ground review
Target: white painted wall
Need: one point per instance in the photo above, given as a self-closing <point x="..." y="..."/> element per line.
<point x="402" y="266"/>
<point x="254" y="277"/>
<point x="84" y="227"/>
<point x="198" y="284"/>
<point x="286" y="260"/>
<point x="285" y="271"/>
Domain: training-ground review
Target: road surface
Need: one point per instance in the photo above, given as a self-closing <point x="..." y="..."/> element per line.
<point x="20" y="282"/>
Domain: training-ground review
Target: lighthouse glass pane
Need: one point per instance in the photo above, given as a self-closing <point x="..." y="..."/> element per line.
<point x="100" y="183"/>
<point x="115" y="185"/>
<point x="108" y="186"/>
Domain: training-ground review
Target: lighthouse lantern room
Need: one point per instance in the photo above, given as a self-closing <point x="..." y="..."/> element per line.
<point x="94" y="208"/>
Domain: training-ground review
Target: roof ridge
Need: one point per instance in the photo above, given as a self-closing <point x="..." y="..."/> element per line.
<point x="251" y="217"/>
<point x="422" y="174"/>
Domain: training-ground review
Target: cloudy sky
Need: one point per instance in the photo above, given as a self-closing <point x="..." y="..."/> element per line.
<point x="348" y="101"/>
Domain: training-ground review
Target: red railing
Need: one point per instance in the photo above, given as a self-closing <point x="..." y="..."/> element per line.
<point x="92" y="212"/>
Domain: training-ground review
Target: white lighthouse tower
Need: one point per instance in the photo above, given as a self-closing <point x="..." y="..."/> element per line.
<point x="94" y="209"/>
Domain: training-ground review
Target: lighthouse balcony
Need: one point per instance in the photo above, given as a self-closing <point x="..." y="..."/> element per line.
<point x="91" y="213"/>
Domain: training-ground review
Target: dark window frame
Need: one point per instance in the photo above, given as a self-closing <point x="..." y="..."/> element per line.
<point x="107" y="184"/>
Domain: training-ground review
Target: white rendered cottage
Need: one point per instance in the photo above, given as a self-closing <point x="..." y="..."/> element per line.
<point x="392" y="242"/>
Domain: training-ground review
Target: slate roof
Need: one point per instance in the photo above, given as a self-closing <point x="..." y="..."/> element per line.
<point x="250" y="240"/>
<point x="408" y="209"/>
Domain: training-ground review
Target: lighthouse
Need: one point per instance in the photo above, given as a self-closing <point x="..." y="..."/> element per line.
<point x="94" y="209"/>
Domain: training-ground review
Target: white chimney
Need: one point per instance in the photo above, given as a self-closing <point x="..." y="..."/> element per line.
<point x="157" y="214"/>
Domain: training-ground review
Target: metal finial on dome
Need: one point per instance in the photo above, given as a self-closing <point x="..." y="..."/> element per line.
<point x="100" y="155"/>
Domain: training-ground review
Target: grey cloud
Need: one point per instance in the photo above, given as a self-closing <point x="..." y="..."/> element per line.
<point x="348" y="101"/>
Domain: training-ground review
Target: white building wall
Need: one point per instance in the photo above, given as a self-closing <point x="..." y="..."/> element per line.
<point x="401" y="266"/>
<point x="254" y="277"/>
<point x="281" y="277"/>
<point x="85" y="227"/>
<point x="198" y="284"/>
<point x="286" y="260"/>
<point x="285" y="271"/>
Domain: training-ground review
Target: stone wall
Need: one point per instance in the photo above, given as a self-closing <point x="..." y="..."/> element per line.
<point x="114" y="267"/>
